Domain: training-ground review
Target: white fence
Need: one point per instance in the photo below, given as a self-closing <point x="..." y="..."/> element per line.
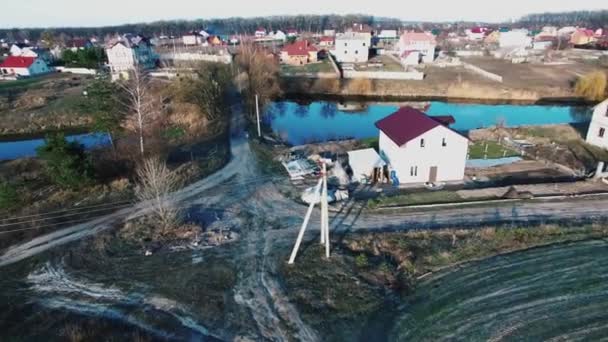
<point x="482" y="72"/>
<point x="468" y="53"/>
<point x="192" y="56"/>
<point x="79" y="71"/>
<point x="384" y="75"/>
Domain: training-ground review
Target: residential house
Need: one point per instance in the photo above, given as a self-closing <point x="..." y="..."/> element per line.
<point x="204" y="34"/>
<point x="422" y="42"/>
<point x="329" y="33"/>
<point x="515" y="39"/>
<point x="279" y="35"/>
<point x="260" y="32"/>
<point x="388" y="35"/>
<point x="214" y="40"/>
<point x="78" y="44"/>
<point x="543" y="43"/>
<point x="547" y="31"/>
<point x="193" y="38"/>
<point x="597" y="134"/>
<point x="492" y="37"/>
<point x="299" y="53"/>
<point x="17" y="49"/>
<point x="420" y="148"/>
<point x="37" y="52"/>
<point x="23" y="66"/>
<point x="582" y="37"/>
<point x="127" y="54"/>
<point x="327" y="41"/>
<point x="409" y="58"/>
<point x="234" y="40"/>
<point x="476" y="33"/>
<point x="352" y="47"/>
<point x="292" y="32"/>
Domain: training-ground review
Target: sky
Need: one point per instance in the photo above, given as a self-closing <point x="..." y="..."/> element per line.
<point x="61" y="13"/>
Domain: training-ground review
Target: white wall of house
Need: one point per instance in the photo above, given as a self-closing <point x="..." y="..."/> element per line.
<point x="426" y="49"/>
<point x="412" y="162"/>
<point x="192" y="39"/>
<point x="515" y="38"/>
<point x="598" y="128"/>
<point x="15" y="50"/>
<point x="122" y="58"/>
<point x="352" y="47"/>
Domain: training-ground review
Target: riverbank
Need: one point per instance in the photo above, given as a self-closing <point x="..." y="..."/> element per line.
<point x="393" y="90"/>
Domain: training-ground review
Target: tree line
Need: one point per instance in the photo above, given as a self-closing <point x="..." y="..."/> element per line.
<point x="591" y="19"/>
<point x="312" y="23"/>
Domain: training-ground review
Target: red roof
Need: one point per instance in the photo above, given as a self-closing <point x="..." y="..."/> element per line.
<point x="406" y="124"/>
<point x="17" y="62"/>
<point x="413" y="37"/>
<point x="299" y="48"/>
<point x="327" y="39"/>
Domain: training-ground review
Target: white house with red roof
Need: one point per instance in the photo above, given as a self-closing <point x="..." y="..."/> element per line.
<point x="299" y="53"/>
<point x="23" y="66"/>
<point x="260" y="32"/>
<point x="327" y="41"/>
<point x="292" y="32"/>
<point x="419" y="148"/>
<point x="422" y="42"/>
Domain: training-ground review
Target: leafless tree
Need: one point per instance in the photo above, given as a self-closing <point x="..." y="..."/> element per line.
<point x="141" y="106"/>
<point x="156" y="183"/>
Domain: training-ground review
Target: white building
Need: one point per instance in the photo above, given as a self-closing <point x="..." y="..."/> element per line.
<point x="128" y="54"/>
<point x="279" y="35"/>
<point x="515" y="39"/>
<point x="422" y="42"/>
<point x="421" y="149"/>
<point x="17" y="49"/>
<point x="23" y="66"/>
<point x="366" y="165"/>
<point x="388" y="34"/>
<point x="598" y="128"/>
<point x="193" y="38"/>
<point x="352" y="47"/>
<point x="329" y="33"/>
<point x="260" y="32"/>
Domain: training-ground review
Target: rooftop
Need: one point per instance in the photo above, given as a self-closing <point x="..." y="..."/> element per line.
<point x="17" y="62"/>
<point x="407" y="123"/>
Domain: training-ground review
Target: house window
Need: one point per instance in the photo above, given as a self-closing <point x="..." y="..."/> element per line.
<point x="444" y="143"/>
<point x="363" y="44"/>
<point x="356" y="52"/>
<point x="601" y="133"/>
<point x="414" y="171"/>
<point x="345" y="52"/>
<point x="421" y="142"/>
<point x="345" y="44"/>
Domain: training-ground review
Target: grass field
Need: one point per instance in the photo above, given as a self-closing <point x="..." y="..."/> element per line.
<point x="489" y="150"/>
<point x="321" y="66"/>
<point x="429" y="197"/>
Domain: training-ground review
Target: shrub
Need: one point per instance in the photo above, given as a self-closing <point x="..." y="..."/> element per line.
<point x="8" y="196"/>
<point x="67" y="164"/>
<point x="361" y="261"/>
<point x="592" y="86"/>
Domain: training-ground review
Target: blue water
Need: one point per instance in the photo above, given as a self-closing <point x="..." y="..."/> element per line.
<point x="27" y="148"/>
<point x="322" y="121"/>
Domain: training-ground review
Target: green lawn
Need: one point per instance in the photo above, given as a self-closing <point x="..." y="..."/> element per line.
<point x="428" y="197"/>
<point x="494" y="150"/>
<point x="321" y="66"/>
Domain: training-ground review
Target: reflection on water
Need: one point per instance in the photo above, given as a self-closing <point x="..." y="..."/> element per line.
<point x="27" y="148"/>
<point x="301" y="122"/>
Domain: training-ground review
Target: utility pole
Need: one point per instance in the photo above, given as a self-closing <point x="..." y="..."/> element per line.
<point x="257" y="113"/>
<point x="321" y="191"/>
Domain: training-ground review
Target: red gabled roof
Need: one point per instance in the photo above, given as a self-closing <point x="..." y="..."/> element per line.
<point x="299" y="48"/>
<point x="327" y="39"/>
<point x="406" y="124"/>
<point x="445" y="120"/>
<point x="17" y="62"/>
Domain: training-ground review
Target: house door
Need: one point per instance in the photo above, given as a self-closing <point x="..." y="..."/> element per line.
<point x="433" y="174"/>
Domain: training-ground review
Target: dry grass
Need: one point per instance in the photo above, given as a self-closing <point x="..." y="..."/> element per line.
<point x="476" y="91"/>
<point x="359" y="86"/>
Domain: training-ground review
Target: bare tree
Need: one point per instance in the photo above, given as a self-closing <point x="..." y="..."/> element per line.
<point x="156" y="183"/>
<point x="261" y="75"/>
<point x="140" y="104"/>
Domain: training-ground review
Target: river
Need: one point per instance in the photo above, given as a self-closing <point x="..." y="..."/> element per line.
<point x="27" y="148"/>
<point x="299" y="123"/>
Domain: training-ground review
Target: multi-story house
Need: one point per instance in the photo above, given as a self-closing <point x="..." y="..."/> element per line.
<point x="352" y="47"/>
